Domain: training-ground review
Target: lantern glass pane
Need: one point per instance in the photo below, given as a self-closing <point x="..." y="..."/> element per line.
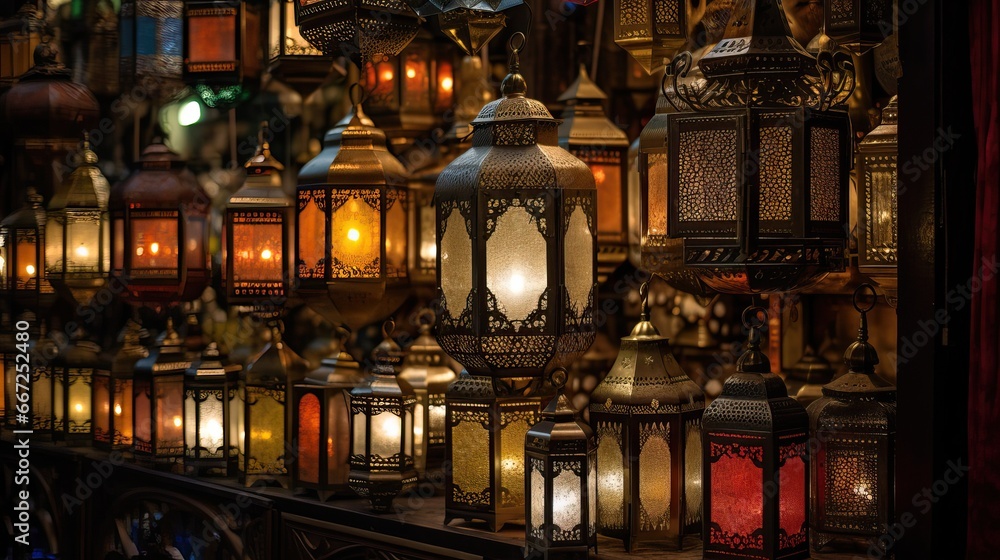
<point x="9" y="385"/>
<point x="435" y="433"/>
<point x="445" y="85"/>
<point x="776" y="173"/>
<point x="792" y="516"/>
<point x="154" y="242"/>
<point x="212" y="38"/>
<point x="356" y="232"/>
<point x="567" y="500"/>
<point x="381" y="78"/>
<point x="514" y="428"/>
<point x="824" y="174"/>
<point x="54" y="245"/>
<point x="312" y="234"/>
<point x="737" y="495"/>
<point x="471" y="466"/>
<point x="611" y="486"/>
<point x="191" y="423"/>
<point x="387" y="429"/>
<point x="83" y="237"/>
<point x="266" y="444"/>
<point x="416" y="78"/>
<point x="105" y="245"/>
<point x="211" y="424"/>
<point x="606" y="166"/>
<point x="536" y="525"/>
<point x="654" y="476"/>
<point x="195" y="254"/>
<point x="79" y="400"/>
<point x="122" y="412"/>
<point x="418" y="431"/>
<point x="26" y="270"/>
<point x="338" y="442"/>
<point x="707" y="173"/>
<point x="360" y="427"/>
<point x="456" y="262"/>
<point x="592" y="494"/>
<point x="4" y="259"/>
<point x="143" y="415"/>
<point x="407" y="434"/>
<point x="289" y="36"/>
<point x="257" y="251"/>
<point x="428" y="237"/>
<point x="692" y="473"/>
<point x="881" y="208"/>
<point x="516" y="264"/>
<point x="395" y="235"/>
<point x="169" y="414"/>
<point x="579" y="257"/>
<point x="850" y="488"/>
<point x="102" y="404"/>
<point x="308" y="436"/>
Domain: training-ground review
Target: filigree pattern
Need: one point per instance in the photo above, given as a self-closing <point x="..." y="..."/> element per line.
<point x="776" y="173"/>
<point x="881" y="209"/>
<point x="707" y="171"/>
<point x="736" y="541"/>
<point x="737" y="450"/>
<point x="824" y="174"/>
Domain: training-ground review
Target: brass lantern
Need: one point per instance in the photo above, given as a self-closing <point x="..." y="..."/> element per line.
<point x="858" y="24"/>
<point x="382" y="426"/>
<point x="158" y="400"/>
<point x="159" y="223"/>
<point x="78" y="233"/>
<point x="22" y="258"/>
<point x="73" y="371"/>
<point x="151" y="46"/>
<point x="19" y="35"/>
<point x="877" y="207"/>
<point x="756" y="477"/>
<point x="222" y="47"/>
<point x="647" y="416"/>
<point x="209" y="394"/>
<point x="853" y="481"/>
<point x="292" y="60"/>
<point x="362" y="30"/>
<point x="112" y="389"/>
<point x="589" y="135"/>
<point x="560" y="485"/>
<point x="472" y="29"/>
<point x="651" y="30"/>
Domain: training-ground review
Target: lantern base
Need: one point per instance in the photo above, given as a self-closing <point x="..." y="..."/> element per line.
<point x="532" y="552"/>
<point x="687" y="540"/>
<point x="381" y="488"/>
<point x="779" y="265"/>
<point x="846" y="542"/>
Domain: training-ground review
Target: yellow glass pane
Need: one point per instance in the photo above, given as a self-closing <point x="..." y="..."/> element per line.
<point x="395" y="238"/>
<point x="356" y="232"/>
<point x="312" y="235"/>
<point x="579" y="260"/>
<point x="692" y="473"/>
<point x="456" y="262"/>
<point x="654" y="477"/>
<point x="512" y="459"/>
<point x="266" y="442"/>
<point x="656" y="201"/>
<point x="516" y="264"/>
<point x="471" y="467"/>
<point x="611" y="478"/>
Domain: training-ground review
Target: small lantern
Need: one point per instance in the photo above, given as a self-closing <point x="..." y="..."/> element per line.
<point x="159" y="219"/>
<point x="152" y="46"/>
<point x="113" y="393"/>
<point x="877" y="207"/>
<point x="756" y="480"/>
<point x="589" y="135"/>
<point x="222" y="49"/>
<point x="73" y="371"/>
<point x="853" y="482"/>
<point x="427" y="371"/>
<point x="382" y="427"/>
<point x="362" y="30"/>
<point x="560" y="485"/>
<point x="472" y="30"/>
<point x="647" y="415"/>
<point x="292" y="60"/>
<point x="263" y="418"/>
<point x="258" y="236"/>
<point x="209" y="392"/>
<point x="158" y="401"/>
<point x="78" y="238"/>
<point x="858" y="24"/>
<point x="22" y="257"/>
<point x="19" y="36"/>
<point x="322" y="425"/>
<point x="651" y="30"/>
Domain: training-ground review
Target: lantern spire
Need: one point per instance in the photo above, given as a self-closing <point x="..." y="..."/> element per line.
<point x="513" y="84"/>
<point x="754" y="360"/>
<point x="263" y="160"/>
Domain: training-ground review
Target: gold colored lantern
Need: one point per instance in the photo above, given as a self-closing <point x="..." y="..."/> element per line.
<point x="651" y="30"/>
<point x="292" y="60"/>
<point x="113" y="394"/>
<point x="209" y="424"/>
<point x="877" y="206"/>
<point x="73" y="371"/>
<point x="158" y="401"/>
<point x="858" y="24"/>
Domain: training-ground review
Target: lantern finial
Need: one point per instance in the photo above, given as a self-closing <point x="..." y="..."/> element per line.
<point x="514" y="85"/>
<point x="754" y="360"/>
<point x="861" y="356"/>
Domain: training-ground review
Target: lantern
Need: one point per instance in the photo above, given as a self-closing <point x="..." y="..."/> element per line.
<point x="209" y="392"/>
<point x="651" y="30"/>
<point x="589" y="135"/>
<point x="258" y="247"/>
<point x="470" y="29"/>
<point x="112" y="389"/>
<point x="78" y="237"/>
<point x="22" y="257"/>
<point x="152" y="46"/>
<point x="158" y="400"/>
<point x="362" y="30"/>
<point x="222" y="49"/>
<point x="427" y="371"/>
<point x="352" y="227"/>
<point x="19" y="35"/>
<point x="292" y="60"/>
<point x="263" y="419"/>
<point x="858" y="24"/>
<point x="159" y="219"/>
<point x="647" y="415"/>
<point x="757" y="183"/>
<point x="560" y="485"/>
<point x="877" y="207"/>
<point x="382" y="427"/>
<point x="322" y="425"/>
<point x="805" y="379"/>
<point x="853" y="484"/>
<point x="756" y="480"/>
<point x="40" y="350"/>
<point x="73" y="371"/>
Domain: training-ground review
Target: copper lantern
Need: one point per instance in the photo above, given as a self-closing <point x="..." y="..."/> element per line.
<point x="158" y="400"/>
<point x="859" y="24"/>
<point x="22" y="258"/>
<point x="222" y="47"/>
<point x="152" y="46"/>
<point x="362" y="30"/>
<point x="209" y="394"/>
<point x="112" y="390"/>
<point x="877" y="207"/>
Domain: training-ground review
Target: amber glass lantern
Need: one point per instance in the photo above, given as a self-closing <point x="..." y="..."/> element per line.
<point x="222" y="49"/>
<point x="651" y="30"/>
<point x="362" y="30"/>
<point x="19" y="35"/>
<point x="151" y="46"/>
<point x="113" y="393"/>
<point x="560" y="485"/>
<point x="22" y="257"/>
<point x="292" y="60"/>
<point x="858" y="24"/>
<point x="647" y="415"/>
<point x="756" y="478"/>
<point x="877" y="207"/>
<point x="159" y="224"/>
<point x="853" y="481"/>
<point x="381" y="430"/>
<point x="209" y="393"/>
<point x="158" y="400"/>
<point x="73" y="371"/>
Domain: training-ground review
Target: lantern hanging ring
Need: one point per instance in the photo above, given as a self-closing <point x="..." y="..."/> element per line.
<point x="516" y="45"/>
<point x="356" y="94"/>
<point x="558" y="378"/>
<point x="752" y="312"/>
<point x="388" y="327"/>
<point x="644" y="296"/>
<point x="426" y="317"/>
<point x="859" y="293"/>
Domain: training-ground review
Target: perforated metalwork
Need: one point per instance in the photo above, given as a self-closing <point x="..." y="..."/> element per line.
<point x="851" y="482"/>
<point x="631" y="14"/>
<point x="776" y="173"/>
<point x="824" y="174"/>
<point x="707" y="176"/>
<point x="611" y="476"/>
<point x="654" y="476"/>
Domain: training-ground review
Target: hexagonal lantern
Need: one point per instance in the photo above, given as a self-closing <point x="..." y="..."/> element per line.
<point x="651" y="30"/>
<point x="858" y="24"/>
<point x="23" y="282"/>
<point x="158" y="400"/>
<point x="112" y="390"/>
<point x="361" y="30"/>
<point x="292" y="60"/>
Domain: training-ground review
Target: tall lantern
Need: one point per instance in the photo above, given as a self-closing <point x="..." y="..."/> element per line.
<point x="382" y="427"/>
<point x="853" y="481"/>
<point x="858" y="24"/>
<point x="561" y="485"/>
<point x="22" y="258"/>
<point x="516" y="272"/>
<point x="151" y="46"/>
<point x="647" y="415"/>
<point x="113" y="395"/>
<point x="19" y="35"/>
<point x="209" y="392"/>
<point x="222" y="49"/>
<point x="73" y="371"/>
<point x="651" y="30"/>
<point x="292" y="60"/>
<point x="158" y="400"/>
<point x="877" y="207"/>
<point x="587" y="133"/>
<point x="159" y="223"/>
<point x="362" y="30"/>
<point x="756" y="477"/>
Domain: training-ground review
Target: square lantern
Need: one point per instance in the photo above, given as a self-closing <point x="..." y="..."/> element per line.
<point x="362" y="30"/>
<point x="292" y="60"/>
<point x="756" y="473"/>
<point x="221" y="42"/>
<point x="19" y="35"/>
<point x="23" y="281"/>
<point x="151" y="46"/>
<point x="647" y="416"/>
<point x="560" y="485"/>
<point x="651" y="30"/>
<point x="73" y="371"/>
<point x="877" y="206"/>
<point x="858" y="24"/>
<point x="113" y="393"/>
<point x="158" y="400"/>
<point x="209" y="393"/>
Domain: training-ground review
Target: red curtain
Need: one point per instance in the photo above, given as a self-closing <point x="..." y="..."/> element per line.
<point x="984" y="382"/>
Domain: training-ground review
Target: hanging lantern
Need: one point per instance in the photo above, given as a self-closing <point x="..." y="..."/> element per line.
<point x="73" y="370"/>
<point x="589" y="135"/>
<point x="470" y="29"/>
<point x="102" y="42"/>
<point x="19" y="35"/>
<point x="651" y="30"/>
<point x="151" y="46"/>
<point x="647" y="415"/>
<point x="757" y="182"/>
<point x="561" y="485"/>
<point x="292" y="60"/>
<point x="222" y="47"/>
<point x="382" y="427"/>
<point x="159" y="219"/>
<point x="322" y="425"/>
<point x="362" y="30"/>
<point x="113" y="393"/>
<point x="426" y="370"/>
<point x="78" y="237"/>
<point x="854" y="422"/>
<point x="755" y="474"/>
<point x="877" y="207"/>
<point x="209" y="392"/>
<point x="263" y="420"/>
<point x="158" y="401"/>
<point x="22" y="258"/>
<point x="258" y="247"/>
<point x="858" y="24"/>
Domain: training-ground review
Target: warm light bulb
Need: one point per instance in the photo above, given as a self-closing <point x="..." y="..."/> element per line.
<point x="177" y="421"/>
<point x="386" y="75"/>
<point x="353" y="234"/>
<point x="30" y="269"/>
<point x="78" y="407"/>
<point x="411" y="73"/>
<point x="599" y="175"/>
<point x="516" y="283"/>
<point x="82" y="251"/>
<point x="139" y="251"/>
<point x="213" y="430"/>
<point x="154" y="248"/>
<point x="118" y="410"/>
<point x="266" y="254"/>
<point x="390" y="427"/>
<point x="428" y="250"/>
<point x="447" y="84"/>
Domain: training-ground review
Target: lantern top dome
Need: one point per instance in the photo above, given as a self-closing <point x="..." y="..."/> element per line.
<point x="513" y="105"/>
<point x="86" y="186"/>
<point x="861" y="359"/>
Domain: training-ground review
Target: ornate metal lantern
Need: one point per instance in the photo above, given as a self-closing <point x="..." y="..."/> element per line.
<point x="472" y="29"/>
<point x="113" y="394"/>
<point x="158" y="402"/>
<point x="647" y="415"/>
<point x="78" y="236"/>
<point x="757" y="182"/>
<point x="756" y="480"/>
<point x="651" y="30"/>
<point x="152" y="46"/>
<point x="877" y="208"/>
<point x="361" y="30"/>
<point x="209" y="424"/>
<point x="22" y="258"/>
<point x="73" y="370"/>
<point x="222" y="49"/>
<point x="561" y="485"/>
<point x="19" y="36"/>
<point x="854" y="422"/>
<point x="858" y="24"/>
<point x="382" y="427"/>
<point x="159" y="222"/>
<point x="427" y="371"/>
<point x="589" y="135"/>
<point x="292" y="60"/>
